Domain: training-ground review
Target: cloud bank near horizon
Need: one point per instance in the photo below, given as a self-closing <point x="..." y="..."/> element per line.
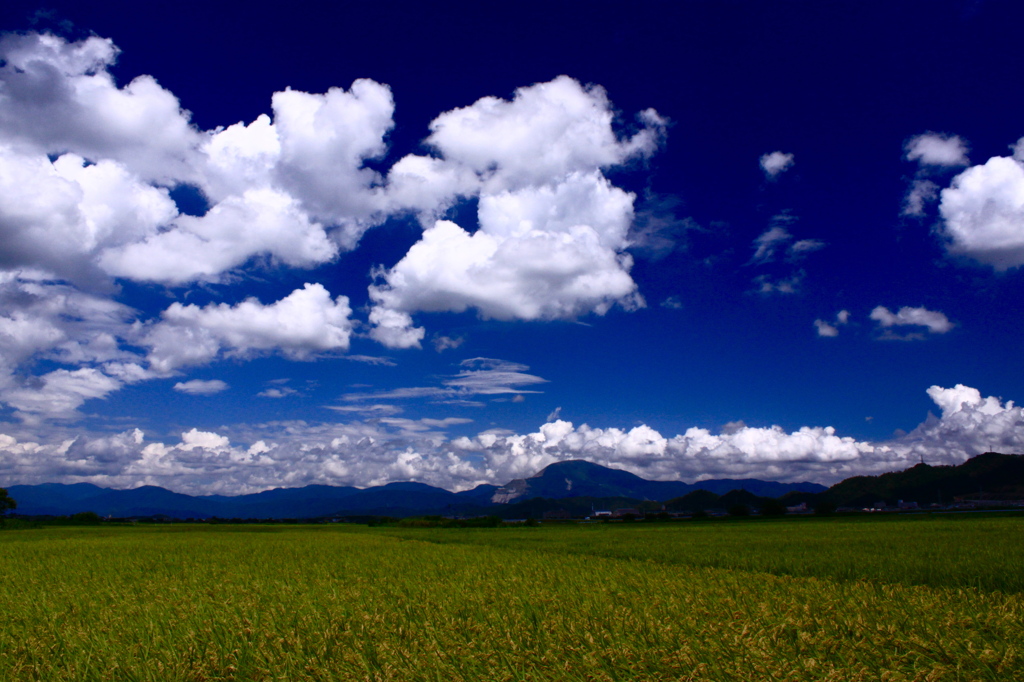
<point x="385" y="450"/>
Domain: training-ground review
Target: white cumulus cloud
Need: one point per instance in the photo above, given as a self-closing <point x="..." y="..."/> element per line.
<point x="983" y="213"/>
<point x="775" y="163"/>
<point x="832" y="330"/>
<point x="552" y="229"/>
<point x="545" y="132"/>
<point x="57" y="96"/>
<point x="262" y="221"/>
<point x="301" y="325"/>
<point x="932" y="149"/>
<point x="825" y="329"/>
<point x="934" y="321"/>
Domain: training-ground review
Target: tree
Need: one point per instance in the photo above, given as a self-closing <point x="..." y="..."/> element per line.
<point x="739" y="510"/>
<point x="7" y="503"/>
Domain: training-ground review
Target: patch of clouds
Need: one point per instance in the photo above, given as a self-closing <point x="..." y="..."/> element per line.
<point x="374" y="409"/>
<point x="825" y="329"/>
<point x="526" y="262"/>
<point x="553" y="231"/>
<point x="377" y="360"/>
<point x="476" y="377"/>
<point x="443" y="343"/>
<point x="983" y="213"/>
<point x="672" y="303"/>
<point x="57" y="96"/>
<point x="832" y="330"/>
<point x="546" y="131"/>
<point x="88" y="165"/>
<point x="935" y="155"/>
<point x="767" y="244"/>
<point x="380" y="451"/>
<point x="775" y="244"/>
<point x="425" y="424"/>
<point x="934" y="149"/>
<point x="261" y="221"/>
<point x="201" y="387"/>
<point x="301" y="326"/>
<point x="932" y="321"/>
<point x="56" y="215"/>
<point x="776" y="163"/>
<point x="767" y="285"/>
<point x="43" y="318"/>
<point x="801" y="248"/>
<point x="922" y="193"/>
<point x="777" y="240"/>
<point x="488" y="376"/>
<point x="657" y="230"/>
<point x="277" y="392"/>
<point x="394" y="329"/>
<point x="86" y="169"/>
<point x="403" y="393"/>
<point x="58" y="394"/>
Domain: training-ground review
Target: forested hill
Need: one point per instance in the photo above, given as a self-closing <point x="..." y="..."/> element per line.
<point x="990" y="476"/>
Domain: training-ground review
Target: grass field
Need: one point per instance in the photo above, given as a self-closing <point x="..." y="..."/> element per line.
<point x="905" y="599"/>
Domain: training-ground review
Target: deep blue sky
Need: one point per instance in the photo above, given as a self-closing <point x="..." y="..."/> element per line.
<point x="843" y="87"/>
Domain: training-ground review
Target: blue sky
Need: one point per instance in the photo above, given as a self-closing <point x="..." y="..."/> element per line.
<point x="369" y="243"/>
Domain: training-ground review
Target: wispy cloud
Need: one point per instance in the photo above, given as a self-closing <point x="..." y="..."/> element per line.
<point x="477" y="377"/>
<point x="443" y="343"/>
<point x="200" y="387"/>
<point x="372" y="360"/>
<point x="274" y="392"/>
<point x="375" y="408"/>
<point x="488" y="376"/>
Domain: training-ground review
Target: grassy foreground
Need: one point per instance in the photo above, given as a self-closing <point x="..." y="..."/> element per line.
<point x="618" y="603"/>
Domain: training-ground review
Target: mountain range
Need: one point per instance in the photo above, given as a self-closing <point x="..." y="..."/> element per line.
<point x="572" y="485"/>
<point x="570" y="479"/>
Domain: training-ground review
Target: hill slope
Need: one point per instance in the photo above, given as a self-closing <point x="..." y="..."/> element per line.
<point x="991" y="475"/>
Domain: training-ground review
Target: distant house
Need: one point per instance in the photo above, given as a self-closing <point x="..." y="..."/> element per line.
<point x="601" y="514"/>
<point x="797" y="508"/>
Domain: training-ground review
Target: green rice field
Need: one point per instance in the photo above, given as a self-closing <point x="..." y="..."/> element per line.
<point x="913" y="598"/>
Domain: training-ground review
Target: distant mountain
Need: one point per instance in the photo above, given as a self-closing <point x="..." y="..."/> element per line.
<point x="578" y="478"/>
<point x="54" y="499"/>
<point x="572" y="479"/>
<point x="51" y="498"/>
<point x="991" y="475"/>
